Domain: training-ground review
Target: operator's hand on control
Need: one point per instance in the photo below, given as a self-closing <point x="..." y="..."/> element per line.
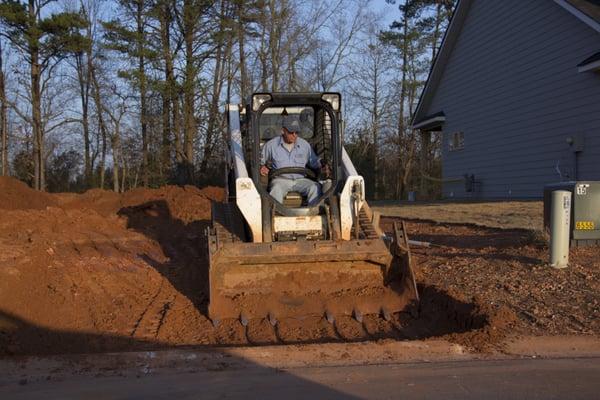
<point x="326" y="170"/>
<point x="264" y="171"/>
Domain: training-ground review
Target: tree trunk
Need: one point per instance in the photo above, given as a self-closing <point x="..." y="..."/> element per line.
<point x="189" y="86"/>
<point x="176" y="114"/>
<point x="274" y="44"/>
<point x="241" y="33"/>
<point x="124" y="173"/>
<point x="407" y="169"/>
<point x="436" y="32"/>
<point x="177" y="128"/>
<point x="263" y="57"/>
<point x="401" y="125"/>
<point x="376" y="134"/>
<point x="293" y="75"/>
<point x="116" y="151"/>
<point x="83" y="79"/>
<point x="103" y="158"/>
<point x="101" y="123"/>
<point x="36" y="116"/>
<point x="3" y="121"/>
<point x="167" y="95"/>
<point x="142" y="80"/>
<point x="213" y="113"/>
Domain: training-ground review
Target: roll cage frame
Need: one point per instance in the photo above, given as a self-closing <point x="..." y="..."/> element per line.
<point x="295" y="99"/>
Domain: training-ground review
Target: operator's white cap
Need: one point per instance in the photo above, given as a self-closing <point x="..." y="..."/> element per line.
<point x="291" y="123"/>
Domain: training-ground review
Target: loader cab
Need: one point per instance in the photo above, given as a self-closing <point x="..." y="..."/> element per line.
<point x="319" y="116"/>
<point x="270" y="122"/>
<point x="270" y="126"/>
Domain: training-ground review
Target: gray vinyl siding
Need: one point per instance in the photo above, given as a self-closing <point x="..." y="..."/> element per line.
<point x="511" y="85"/>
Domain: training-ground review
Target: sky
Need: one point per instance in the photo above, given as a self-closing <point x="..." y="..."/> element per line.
<point x="386" y="12"/>
<point x="389" y="12"/>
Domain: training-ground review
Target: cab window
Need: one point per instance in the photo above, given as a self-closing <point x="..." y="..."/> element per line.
<point x="271" y="121"/>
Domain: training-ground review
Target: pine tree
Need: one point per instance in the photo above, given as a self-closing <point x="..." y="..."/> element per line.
<point x="128" y="36"/>
<point x="43" y="41"/>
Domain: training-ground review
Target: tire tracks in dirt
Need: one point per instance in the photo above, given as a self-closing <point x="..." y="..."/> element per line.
<point x="152" y="318"/>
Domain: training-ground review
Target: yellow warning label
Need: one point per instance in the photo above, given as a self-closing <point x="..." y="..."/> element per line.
<point x="584" y="225"/>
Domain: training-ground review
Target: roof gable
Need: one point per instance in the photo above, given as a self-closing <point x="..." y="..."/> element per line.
<point x="588" y="11"/>
<point x="435" y="73"/>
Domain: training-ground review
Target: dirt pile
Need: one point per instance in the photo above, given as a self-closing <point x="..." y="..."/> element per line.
<point x="187" y="203"/>
<point x="16" y="195"/>
<point x="100" y="268"/>
<point x="106" y="272"/>
<point x="506" y="271"/>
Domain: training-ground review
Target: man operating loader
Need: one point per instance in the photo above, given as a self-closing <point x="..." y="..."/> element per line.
<point x="290" y="150"/>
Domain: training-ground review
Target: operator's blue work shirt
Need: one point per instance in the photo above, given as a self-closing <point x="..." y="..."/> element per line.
<point x="301" y="155"/>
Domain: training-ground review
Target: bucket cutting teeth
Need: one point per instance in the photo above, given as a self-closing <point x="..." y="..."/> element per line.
<point x="272" y="319"/>
<point x="385" y="313"/>
<point x="358" y="315"/>
<point x="329" y="317"/>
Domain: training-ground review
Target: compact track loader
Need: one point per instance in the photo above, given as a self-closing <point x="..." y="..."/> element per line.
<point x="283" y="260"/>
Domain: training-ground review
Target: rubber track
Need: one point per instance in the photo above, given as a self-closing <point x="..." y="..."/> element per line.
<point x="227" y="222"/>
<point x="367" y="230"/>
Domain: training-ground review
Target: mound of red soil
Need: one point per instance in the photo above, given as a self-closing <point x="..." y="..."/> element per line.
<point x="16" y="195"/>
<point x="187" y="203"/>
<point x="99" y="270"/>
<point x="104" y="202"/>
<point x="103" y="271"/>
<point x="507" y="273"/>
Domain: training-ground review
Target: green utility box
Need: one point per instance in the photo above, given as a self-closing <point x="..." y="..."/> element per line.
<point x="585" y="210"/>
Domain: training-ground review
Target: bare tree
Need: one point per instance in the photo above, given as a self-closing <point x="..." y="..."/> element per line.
<point x="179" y="60"/>
<point x="128" y="35"/>
<point x="371" y="80"/>
<point x="43" y="41"/>
<point x="223" y="52"/>
<point x="331" y="59"/>
<point x="83" y="78"/>
<point x="3" y="119"/>
<point x="116" y="111"/>
<point x="164" y="10"/>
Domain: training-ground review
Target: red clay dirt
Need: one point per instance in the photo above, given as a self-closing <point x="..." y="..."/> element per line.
<point x="16" y="195"/>
<point x="508" y="268"/>
<point x="110" y="272"/>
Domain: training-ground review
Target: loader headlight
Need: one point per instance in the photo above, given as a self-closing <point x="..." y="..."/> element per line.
<point x="259" y="99"/>
<point x="334" y="99"/>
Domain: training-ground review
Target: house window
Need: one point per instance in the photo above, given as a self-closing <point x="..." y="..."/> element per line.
<point x="456" y="141"/>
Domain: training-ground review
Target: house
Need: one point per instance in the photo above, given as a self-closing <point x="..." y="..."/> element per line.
<point x="515" y="94"/>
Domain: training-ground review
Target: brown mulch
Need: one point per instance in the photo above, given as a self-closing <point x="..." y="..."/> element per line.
<point x="508" y="270"/>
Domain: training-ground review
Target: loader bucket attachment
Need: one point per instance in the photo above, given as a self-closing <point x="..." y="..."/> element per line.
<point x="305" y="278"/>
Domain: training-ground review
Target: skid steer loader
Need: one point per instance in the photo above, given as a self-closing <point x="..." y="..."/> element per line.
<point x="279" y="260"/>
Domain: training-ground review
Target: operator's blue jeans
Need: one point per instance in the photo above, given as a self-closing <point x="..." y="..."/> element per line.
<point x="306" y="187"/>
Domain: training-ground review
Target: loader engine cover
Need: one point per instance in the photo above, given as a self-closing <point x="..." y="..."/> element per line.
<point x="311" y="227"/>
